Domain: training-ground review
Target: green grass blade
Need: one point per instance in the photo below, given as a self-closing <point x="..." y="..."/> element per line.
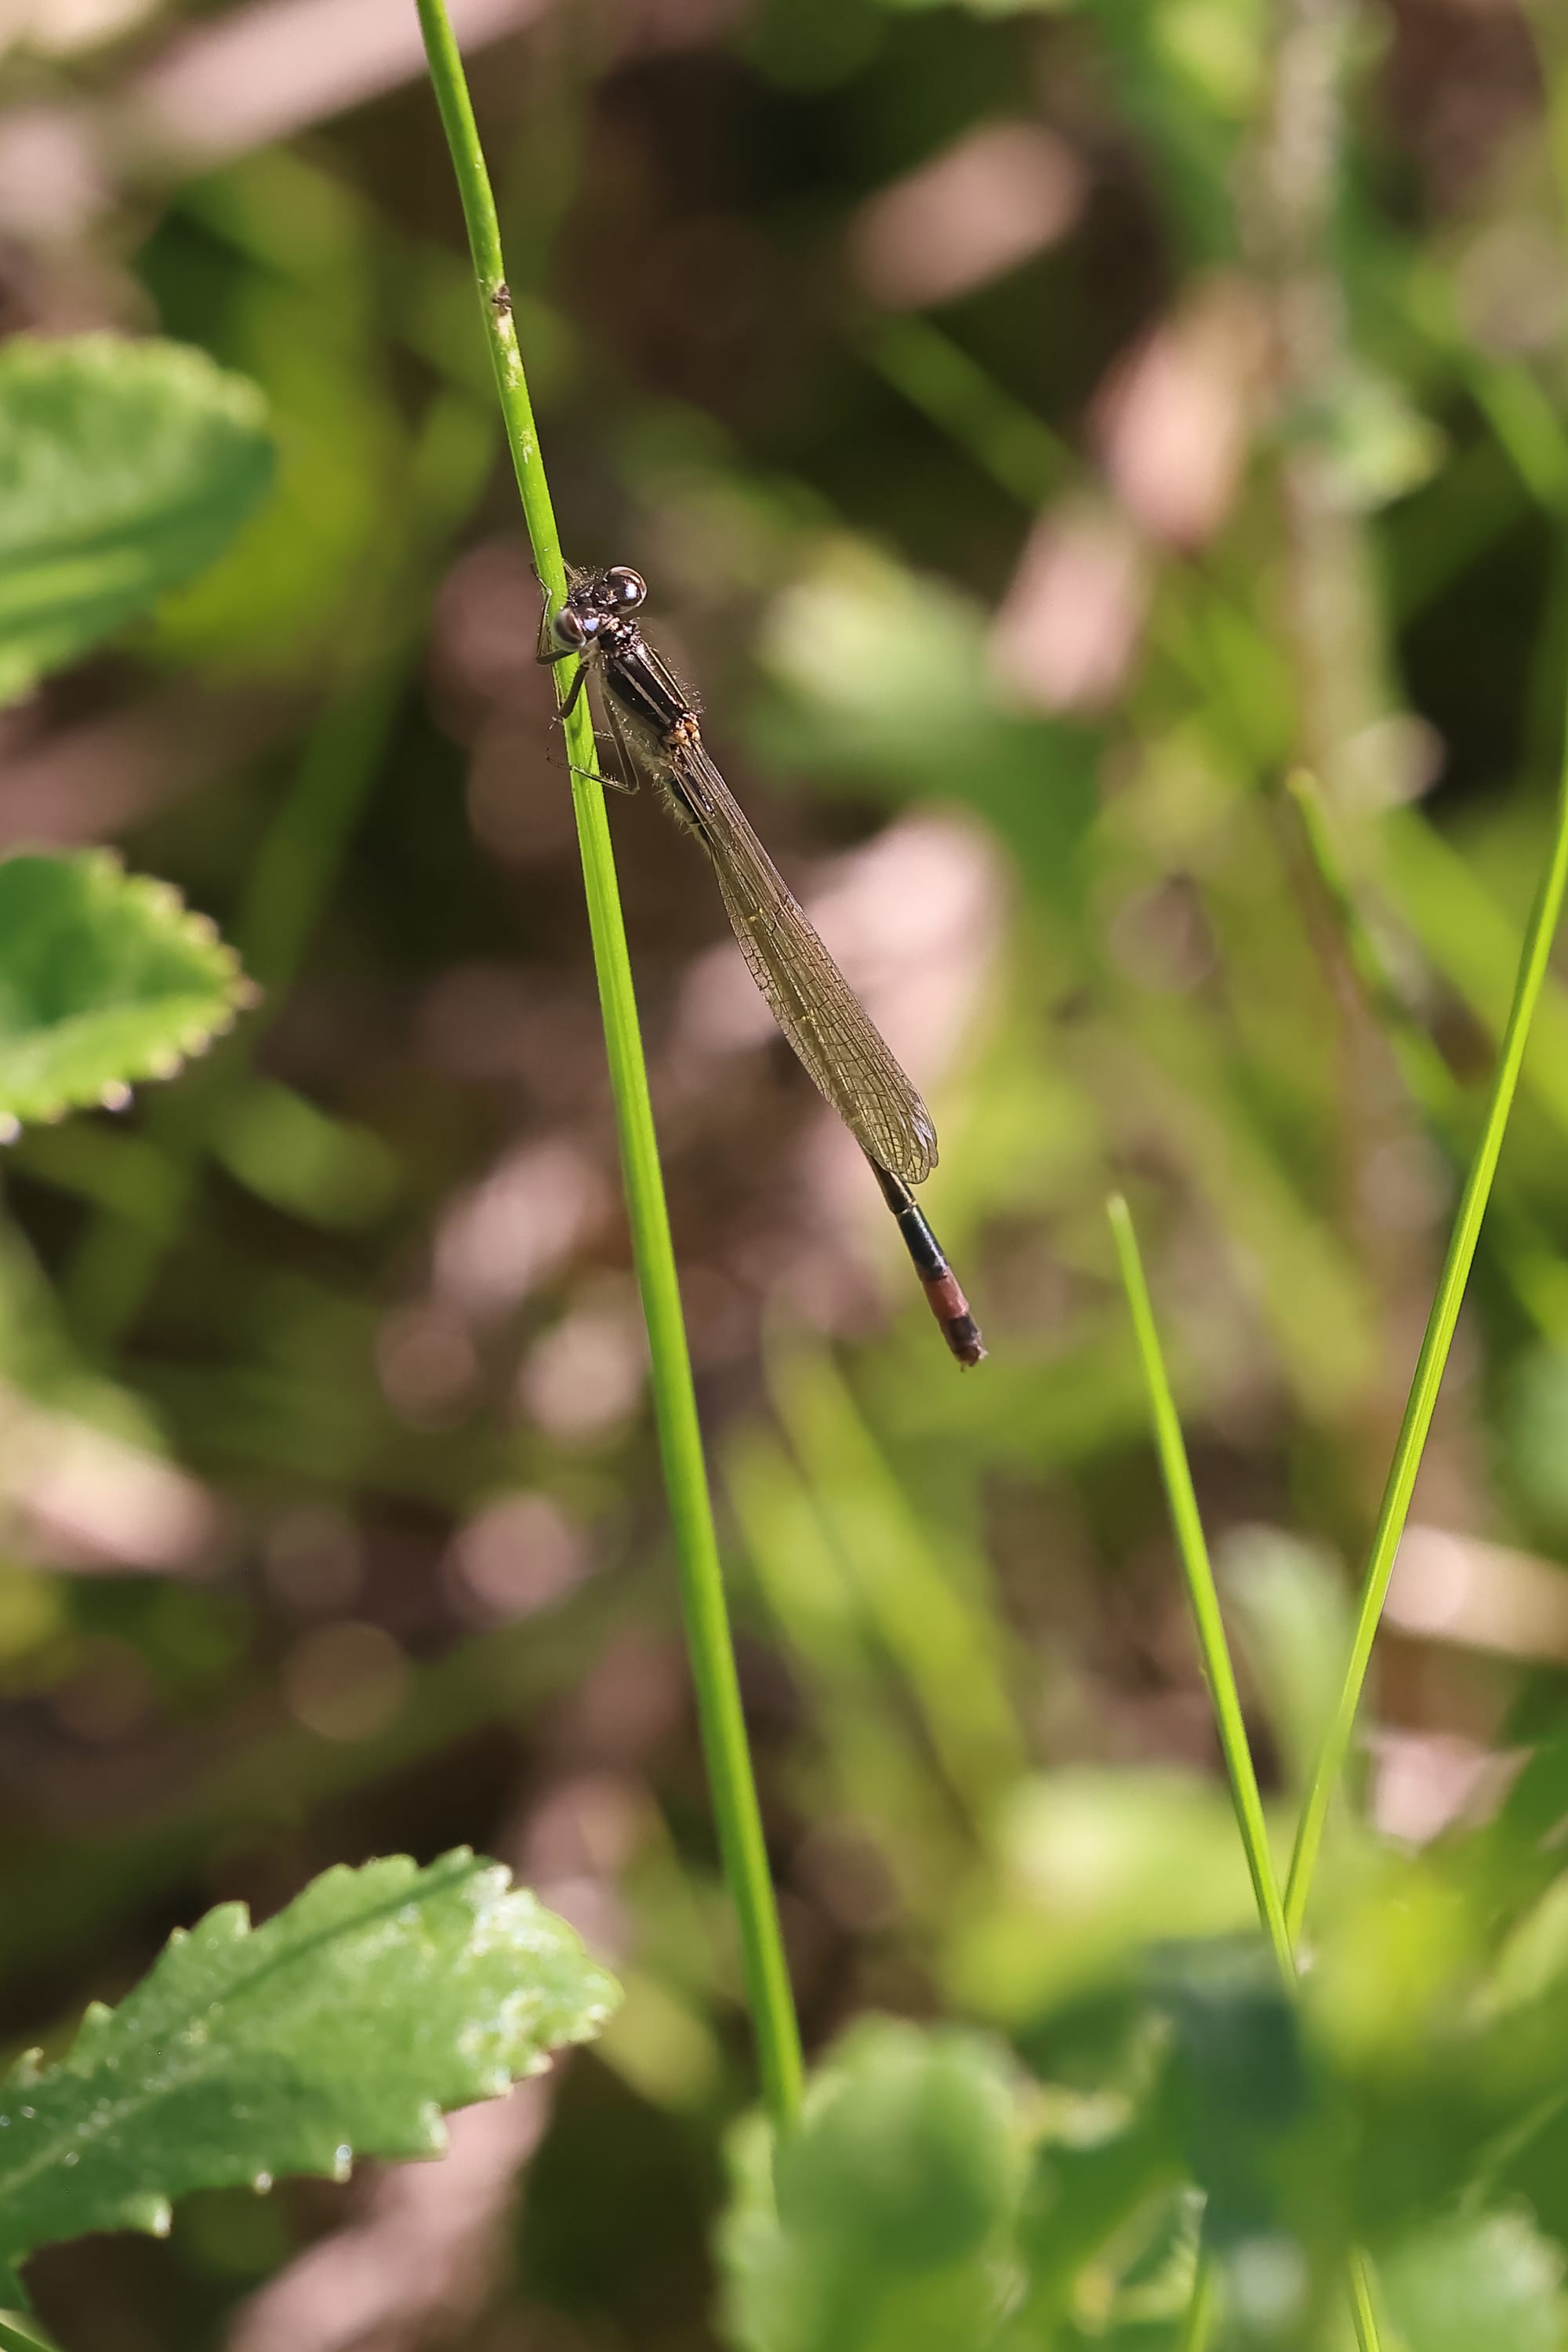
<point x="1202" y="1596"/>
<point x="1203" y="2307"/>
<point x="964" y="400"/>
<point x="1363" y="2311"/>
<point x="1220" y="1674"/>
<point x="1431" y="1363"/>
<point x="707" y="1622"/>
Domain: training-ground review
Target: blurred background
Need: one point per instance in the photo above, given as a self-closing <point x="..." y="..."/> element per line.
<point x="1041" y="427"/>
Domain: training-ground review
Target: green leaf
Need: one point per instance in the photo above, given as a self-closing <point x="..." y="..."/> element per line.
<point x="343" y="2027"/>
<point x="1245" y="2102"/>
<point x="891" y="2198"/>
<point x="105" y="977"/>
<point x="1104" y="2160"/>
<point x="1475" y="2280"/>
<point x="126" y="466"/>
<point x="906" y="2150"/>
<point x="1094" y="1865"/>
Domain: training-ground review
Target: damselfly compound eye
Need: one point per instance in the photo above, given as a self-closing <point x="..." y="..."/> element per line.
<point x="569" y="630"/>
<point x="627" y="587"/>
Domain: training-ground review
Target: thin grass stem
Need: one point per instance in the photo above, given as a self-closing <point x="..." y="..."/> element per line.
<point x="1203" y="1597"/>
<point x="1364" y="2309"/>
<point x="1430" y="1365"/>
<point x="709" y="1643"/>
<point x="1220" y="1674"/>
<point x="1203" y="2307"/>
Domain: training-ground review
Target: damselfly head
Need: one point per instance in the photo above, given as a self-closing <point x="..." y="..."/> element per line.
<point x="594" y="599"/>
<point x="624" y="588"/>
<point x="571" y="628"/>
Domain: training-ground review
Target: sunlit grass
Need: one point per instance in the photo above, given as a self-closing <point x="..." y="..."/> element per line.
<point x="1219" y="1674"/>
<point x="1282" y="1921"/>
<point x="1431" y="1363"/>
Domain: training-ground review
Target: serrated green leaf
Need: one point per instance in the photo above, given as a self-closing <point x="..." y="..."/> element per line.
<point x="125" y="467"/>
<point x="343" y="2027"/>
<point x="105" y="977"/>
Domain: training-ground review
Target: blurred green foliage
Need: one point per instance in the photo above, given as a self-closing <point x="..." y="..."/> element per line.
<point x="330" y="1516"/>
<point x="126" y="471"/>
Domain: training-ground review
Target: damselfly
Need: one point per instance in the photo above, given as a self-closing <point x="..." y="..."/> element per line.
<point x="655" y="724"/>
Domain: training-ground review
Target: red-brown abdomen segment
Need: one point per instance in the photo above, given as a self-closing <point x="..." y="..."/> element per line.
<point x="943" y="1296"/>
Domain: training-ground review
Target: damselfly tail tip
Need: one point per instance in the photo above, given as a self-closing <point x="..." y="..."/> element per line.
<point x="959" y="1327"/>
<point x="963" y="1336"/>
